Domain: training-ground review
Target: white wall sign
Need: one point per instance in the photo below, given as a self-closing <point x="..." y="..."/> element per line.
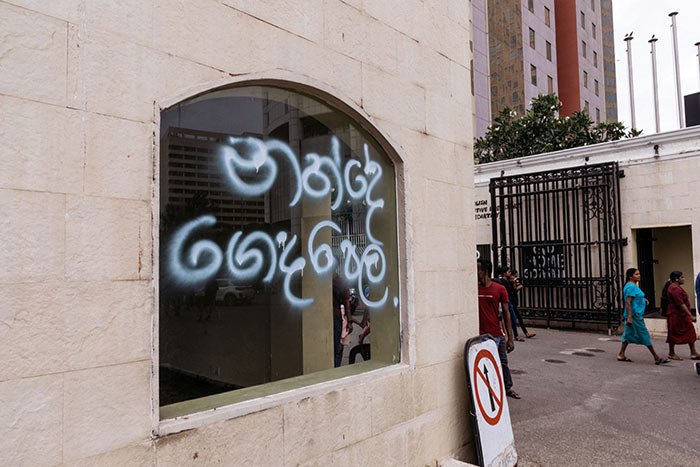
<point x="494" y="433"/>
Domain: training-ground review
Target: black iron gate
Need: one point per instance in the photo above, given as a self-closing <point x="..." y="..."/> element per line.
<point x="561" y="230"/>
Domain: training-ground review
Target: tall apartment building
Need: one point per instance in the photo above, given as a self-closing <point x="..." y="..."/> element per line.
<point x="530" y="47"/>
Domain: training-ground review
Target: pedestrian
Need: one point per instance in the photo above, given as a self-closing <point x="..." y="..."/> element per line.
<point x="491" y="294"/>
<point x="503" y="273"/>
<point x="515" y="301"/>
<point x="635" y="330"/>
<point x="680" y="321"/>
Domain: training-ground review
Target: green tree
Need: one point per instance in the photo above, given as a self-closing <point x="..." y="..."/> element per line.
<point x="541" y="130"/>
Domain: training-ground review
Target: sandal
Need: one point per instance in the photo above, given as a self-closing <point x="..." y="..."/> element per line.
<point x="695" y="357"/>
<point x="623" y="359"/>
<point x="513" y="394"/>
<point x="663" y="361"/>
<point x="530" y="335"/>
<point x="521" y="339"/>
<point x="674" y="357"/>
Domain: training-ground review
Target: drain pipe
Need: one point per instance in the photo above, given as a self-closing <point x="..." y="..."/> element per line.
<point x="652" y="41"/>
<point x="679" y="93"/>
<point x="628" y="39"/>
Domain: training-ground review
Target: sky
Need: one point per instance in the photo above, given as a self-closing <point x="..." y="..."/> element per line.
<point x="644" y="18"/>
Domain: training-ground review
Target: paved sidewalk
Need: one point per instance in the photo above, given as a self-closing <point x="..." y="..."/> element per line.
<point x="581" y="407"/>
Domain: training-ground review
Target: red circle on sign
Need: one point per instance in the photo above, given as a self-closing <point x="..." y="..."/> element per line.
<point x="483" y="353"/>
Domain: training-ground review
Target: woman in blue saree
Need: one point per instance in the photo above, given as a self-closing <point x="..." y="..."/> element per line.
<point x="635" y="330"/>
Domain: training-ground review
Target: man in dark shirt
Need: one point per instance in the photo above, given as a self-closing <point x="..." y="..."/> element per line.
<point x="341" y="296"/>
<point x="491" y="295"/>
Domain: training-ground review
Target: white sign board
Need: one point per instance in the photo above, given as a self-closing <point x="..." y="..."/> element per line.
<point x="490" y="405"/>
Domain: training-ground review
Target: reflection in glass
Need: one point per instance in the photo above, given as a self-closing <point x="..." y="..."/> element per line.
<point x="275" y="210"/>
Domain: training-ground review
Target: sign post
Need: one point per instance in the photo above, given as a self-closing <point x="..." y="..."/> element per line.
<point x="489" y="406"/>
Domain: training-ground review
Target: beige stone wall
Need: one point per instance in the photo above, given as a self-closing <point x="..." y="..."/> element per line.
<point x="81" y="82"/>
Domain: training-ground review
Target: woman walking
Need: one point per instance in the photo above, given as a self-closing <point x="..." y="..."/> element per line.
<point x="635" y="330"/>
<point x="680" y="321"/>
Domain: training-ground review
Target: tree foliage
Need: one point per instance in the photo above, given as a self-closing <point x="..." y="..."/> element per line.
<point x="541" y="130"/>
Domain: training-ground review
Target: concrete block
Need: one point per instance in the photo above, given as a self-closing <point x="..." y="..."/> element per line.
<point x="254" y="439"/>
<point x="31" y="330"/>
<point x="136" y="455"/>
<point x="32" y="55"/>
<point x="68" y="10"/>
<point x="211" y="33"/>
<point x="440" y="293"/>
<point x="385" y="97"/>
<point x="107" y="323"/>
<point x="437" y="248"/>
<point x="106" y="409"/>
<point x="352" y="33"/>
<point x="119" y="77"/>
<point x="460" y="84"/>
<point x="75" y="59"/>
<point x="131" y="19"/>
<point x="435" y="436"/>
<point x="392" y="402"/>
<point x="314" y="426"/>
<point x="398" y="14"/>
<point x="437" y="340"/>
<point x="31" y="231"/>
<point x="444" y="202"/>
<point x="31" y="409"/>
<point x="300" y="17"/>
<point x="452" y="388"/>
<point x="423" y="66"/>
<point x="118" y="158"/>
<point x="424" y="388"/>
<point x="444" y="34"/>
<point x="432" y="157"/>
<point x="42" y="147"/>
<point x="387" y="449"/>
<point x="445" y="119"/>
<point x="107" y="239"/>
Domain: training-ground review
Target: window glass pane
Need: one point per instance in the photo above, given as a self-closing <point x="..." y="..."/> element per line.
<point x="595" y="83"/>
<point x="548" y="46"/>
<point x="583" y="48"/>
<point x="531" y="5"/>
<point x="585" y="79"/>
<point x="546" y="16"/>
<point x="532" y="38"/>
<point x="550" y="85"/>
<point x="595" y="59"/>
<point x="533" y="75"/>
<point x="583" y="20"/>
<point x="275" y="209"/>
<point x="593" y="30"/>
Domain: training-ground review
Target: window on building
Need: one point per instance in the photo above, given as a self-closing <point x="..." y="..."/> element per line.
<point x="548" y="47"/>
<point x="595" y="86"/>
<point x="585" y="79"/>
<point x="583" y="20"/>
<point x="471" y="74"/>
<point x="593" y="30"/>
<point x="547" y="19"/>
<point x="597" y="115"/>
<point x="247" y="302"/>
<point x="593" y="5"/>
<point x="533" y="75"/>
<point x="550" y="85"/>
<point x="532" y="38"/>
<point x="586" y="105"/>
<point x="531" y="5"/>
<point x="595" y="59"/>
<point x="584" y="49"/>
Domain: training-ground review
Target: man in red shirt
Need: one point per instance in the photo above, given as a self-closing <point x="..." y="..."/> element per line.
<point x="491" y="295"/>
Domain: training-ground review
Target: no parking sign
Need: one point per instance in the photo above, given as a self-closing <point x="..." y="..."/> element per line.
<point x="489" y="405"/>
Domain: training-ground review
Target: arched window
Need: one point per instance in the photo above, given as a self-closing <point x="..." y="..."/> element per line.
<point x="275" y="210"/>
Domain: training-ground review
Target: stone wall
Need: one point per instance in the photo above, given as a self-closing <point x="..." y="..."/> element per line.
<point x="81" y="86"/>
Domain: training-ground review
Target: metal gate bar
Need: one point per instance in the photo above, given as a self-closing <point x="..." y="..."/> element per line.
<point x="562" y="230"/>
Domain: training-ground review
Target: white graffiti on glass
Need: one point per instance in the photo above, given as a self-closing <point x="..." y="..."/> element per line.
<point x="250" y="170"/>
